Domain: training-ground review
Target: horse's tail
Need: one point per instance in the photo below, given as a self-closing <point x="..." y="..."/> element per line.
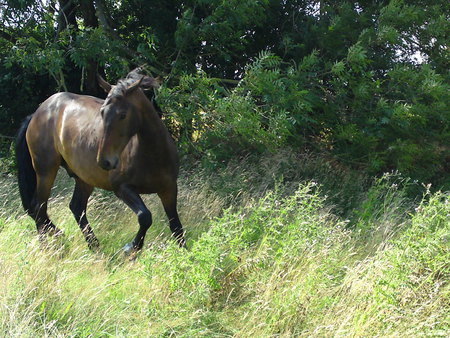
<point x="26" y="172"/>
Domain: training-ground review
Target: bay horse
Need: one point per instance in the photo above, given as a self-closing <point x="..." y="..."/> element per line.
<point x="118" y="144"/>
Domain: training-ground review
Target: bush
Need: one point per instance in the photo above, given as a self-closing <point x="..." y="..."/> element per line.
<point x="272" y="260"/>
<point x="7" y="156"/>
<point x="346" y="109"/>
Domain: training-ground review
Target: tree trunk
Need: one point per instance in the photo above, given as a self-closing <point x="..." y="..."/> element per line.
<point x="91" y="86"/>
<point x="66" y="16"/>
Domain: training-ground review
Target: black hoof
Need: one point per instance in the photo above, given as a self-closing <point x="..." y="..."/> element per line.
<point x="182" y="243"/>
<point x="57" y="232"/>
<point x="93" y="244"/>
<point x="180" y="240"/>
<point x="130" y="251"/>
<point x="52" y="232"/>
<point x="50" y="229"/>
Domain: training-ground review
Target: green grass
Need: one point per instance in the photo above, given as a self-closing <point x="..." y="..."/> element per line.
<point x="313" y="252"/>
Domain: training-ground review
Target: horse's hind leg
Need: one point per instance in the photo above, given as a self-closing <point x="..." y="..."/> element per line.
<point x="44" y="183"/>
<point x="78" y="206"/>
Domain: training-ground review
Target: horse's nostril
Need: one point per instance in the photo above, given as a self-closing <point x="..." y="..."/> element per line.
<point x="106" y="164"/>
<point x="113" y="165"/>
<point x="109" y="164"/>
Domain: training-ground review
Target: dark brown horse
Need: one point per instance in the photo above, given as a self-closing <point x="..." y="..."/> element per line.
<point x="118" y="144"/>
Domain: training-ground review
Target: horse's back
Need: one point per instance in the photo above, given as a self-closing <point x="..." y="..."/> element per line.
<point x="52" y="111"/>
<point x="65" y="130"/>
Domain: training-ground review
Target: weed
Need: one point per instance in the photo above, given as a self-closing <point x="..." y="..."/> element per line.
<point x="270" y="255"/>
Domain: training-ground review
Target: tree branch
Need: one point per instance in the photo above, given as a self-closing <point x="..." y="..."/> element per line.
<point x="7" y="36"/>
<point x="226" y="81"/>
<point x="102" y="18"/>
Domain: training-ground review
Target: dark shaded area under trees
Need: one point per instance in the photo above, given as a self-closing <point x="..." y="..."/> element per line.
<point x="364" y="82"/>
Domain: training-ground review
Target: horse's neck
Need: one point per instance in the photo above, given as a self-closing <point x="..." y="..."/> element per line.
<point x="152" y="129"/>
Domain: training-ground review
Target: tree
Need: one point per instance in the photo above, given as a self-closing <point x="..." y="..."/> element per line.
<point x="365" y="81"/>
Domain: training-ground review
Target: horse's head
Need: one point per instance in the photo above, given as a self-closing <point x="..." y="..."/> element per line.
<point x="122" y="116"/>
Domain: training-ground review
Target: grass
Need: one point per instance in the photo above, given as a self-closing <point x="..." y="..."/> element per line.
<point x="315" y="252"/>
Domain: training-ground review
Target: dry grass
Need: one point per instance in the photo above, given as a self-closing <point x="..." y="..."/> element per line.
<point x="259" y="264"/>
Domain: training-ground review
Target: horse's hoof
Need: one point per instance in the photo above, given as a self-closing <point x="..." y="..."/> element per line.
<point x="182" y="243"/>
<point x="93" y="244"/>
<point x="57" y="232"/>
<point x="50" y="230"/>
<point x="54" y="233"/>
<point x="129" y="249"/>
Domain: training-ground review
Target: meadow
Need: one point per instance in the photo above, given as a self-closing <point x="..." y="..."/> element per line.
<point x="280" y="246"/>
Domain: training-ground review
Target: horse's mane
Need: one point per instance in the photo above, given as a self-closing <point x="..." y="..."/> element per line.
<point x="135" y="75"/>
<point x="119" y="89"/>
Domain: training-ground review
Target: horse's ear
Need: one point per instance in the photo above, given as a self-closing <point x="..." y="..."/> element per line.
<point x="102" y="82"/>
<point x="135" y="85"/>
<point x="145" y="82"/>
<point x="149" y="82"/>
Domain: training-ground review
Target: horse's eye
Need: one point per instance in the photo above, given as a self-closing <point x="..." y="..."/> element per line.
<point x="122" y="115"/>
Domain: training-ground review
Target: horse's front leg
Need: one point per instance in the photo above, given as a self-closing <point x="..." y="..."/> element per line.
<point x="134" y="201"/>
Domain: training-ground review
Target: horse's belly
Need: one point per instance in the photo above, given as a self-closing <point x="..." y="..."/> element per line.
<point x="95" y="178"/>
<point x="84" y="166"/>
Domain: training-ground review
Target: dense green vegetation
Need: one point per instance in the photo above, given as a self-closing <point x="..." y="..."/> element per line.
<point x="365" y="82"/>
<point x="265" y="258"/>
<point x="315" y="146"/>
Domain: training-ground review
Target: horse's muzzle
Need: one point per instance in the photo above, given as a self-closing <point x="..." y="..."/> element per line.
<point x="108" y="164"/>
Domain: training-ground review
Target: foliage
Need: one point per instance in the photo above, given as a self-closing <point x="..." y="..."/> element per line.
<point x="7" y="158"/>
<point x="366" y="82"/>
<point x="219" y="123"/>
<point x="280" y="242"/>
<point x="276" y="262"/>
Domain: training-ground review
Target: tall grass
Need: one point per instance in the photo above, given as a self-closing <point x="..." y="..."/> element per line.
<point x="284" y="247"/>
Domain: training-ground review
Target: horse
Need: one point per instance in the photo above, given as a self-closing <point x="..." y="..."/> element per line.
<point x="119" y="144"/>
